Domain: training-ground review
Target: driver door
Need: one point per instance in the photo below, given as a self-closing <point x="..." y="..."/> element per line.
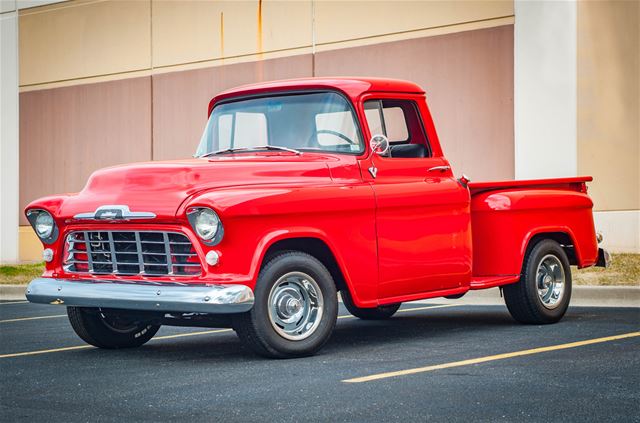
<point x="422" y="212"/>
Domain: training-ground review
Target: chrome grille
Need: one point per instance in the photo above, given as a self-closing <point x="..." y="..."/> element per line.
<point x="131" y="253"/>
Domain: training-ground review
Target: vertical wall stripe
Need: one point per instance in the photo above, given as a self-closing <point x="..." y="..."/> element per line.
<point x="545" y="85"/>
<point x="9" y="136"/>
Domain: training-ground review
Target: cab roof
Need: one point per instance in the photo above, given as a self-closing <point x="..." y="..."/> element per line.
<point x="351" y="86"/>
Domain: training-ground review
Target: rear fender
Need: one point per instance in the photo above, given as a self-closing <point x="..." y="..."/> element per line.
<point x="551" y="232"/>
<point x="505" y="221"/>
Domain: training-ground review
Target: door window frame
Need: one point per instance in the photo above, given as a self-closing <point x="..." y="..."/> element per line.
<point x="410" y="98"/>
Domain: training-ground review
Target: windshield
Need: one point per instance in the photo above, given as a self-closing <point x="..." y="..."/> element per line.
<point x="315" y="121"/>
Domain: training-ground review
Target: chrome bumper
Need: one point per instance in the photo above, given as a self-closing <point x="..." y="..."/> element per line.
<point x="141" y="296"/>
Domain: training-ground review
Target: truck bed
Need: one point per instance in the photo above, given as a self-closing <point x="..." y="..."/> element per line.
<point x="507" y="215"/>
<point x="570" y="183"/>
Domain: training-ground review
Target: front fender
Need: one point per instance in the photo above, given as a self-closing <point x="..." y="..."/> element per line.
<point x="254" y="218"/>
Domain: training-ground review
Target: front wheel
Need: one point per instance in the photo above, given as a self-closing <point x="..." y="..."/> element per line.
<point x="542" y="295"/>
<point x="295" y="308"/>
<point x="109" y="329"/>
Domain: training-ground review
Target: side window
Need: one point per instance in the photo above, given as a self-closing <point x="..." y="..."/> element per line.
<point x="395" y="124"/>
<point x="400" y="122"/>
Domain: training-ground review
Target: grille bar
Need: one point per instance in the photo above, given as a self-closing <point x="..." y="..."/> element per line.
<point x="143" y="253"/>
<point x="89" y="253"/>
<point x="167" y="250"/>
<point x="112" y="250"/>
<point x="140" y="257"/>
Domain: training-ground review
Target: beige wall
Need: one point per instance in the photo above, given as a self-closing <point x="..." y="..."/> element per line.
<point x="338" y="21"/>
<point x="609" y="101"/>
<point x="193" y="31"/>
<point x="82" y="39"/>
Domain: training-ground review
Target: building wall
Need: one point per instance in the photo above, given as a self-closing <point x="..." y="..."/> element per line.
<point x="106" y="82"/>
<point x="608" y="122"/>
<point x="8" y="131"/>
<point x="545" y="89"/>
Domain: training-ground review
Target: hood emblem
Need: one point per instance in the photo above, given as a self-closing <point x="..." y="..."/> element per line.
<point x="114" y="212"/>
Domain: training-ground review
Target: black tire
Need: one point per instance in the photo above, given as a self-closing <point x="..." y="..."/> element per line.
<point x="255" y="327"/>
<point x="109" y="329"/>
<point x="375" y="313"/>
<point x="522" y="299"/>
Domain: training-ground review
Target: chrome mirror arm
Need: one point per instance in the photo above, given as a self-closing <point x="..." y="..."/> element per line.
<point x="379" y="144"/>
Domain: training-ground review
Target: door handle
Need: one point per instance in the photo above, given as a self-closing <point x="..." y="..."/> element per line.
<point x="439" y="169"/>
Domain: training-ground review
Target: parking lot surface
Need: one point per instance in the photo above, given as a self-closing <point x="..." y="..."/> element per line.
<point x="453" y="362"/>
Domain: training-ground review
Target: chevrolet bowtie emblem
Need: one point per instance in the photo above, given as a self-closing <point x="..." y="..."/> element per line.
<point x="114" y="212"/>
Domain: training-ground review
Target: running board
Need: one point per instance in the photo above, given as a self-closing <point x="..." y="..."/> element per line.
<point x="484" y="282"/>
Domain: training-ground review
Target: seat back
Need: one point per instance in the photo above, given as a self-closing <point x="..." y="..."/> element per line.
<point x="416" y="151"/>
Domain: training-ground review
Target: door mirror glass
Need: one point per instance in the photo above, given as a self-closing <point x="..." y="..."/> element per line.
<point x="379" y="145"/>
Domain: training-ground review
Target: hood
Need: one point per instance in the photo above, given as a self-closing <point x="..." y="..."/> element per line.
<point x="161" y="187"/>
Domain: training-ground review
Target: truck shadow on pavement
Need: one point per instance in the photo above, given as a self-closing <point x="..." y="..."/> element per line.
<point x="352" y="335"/>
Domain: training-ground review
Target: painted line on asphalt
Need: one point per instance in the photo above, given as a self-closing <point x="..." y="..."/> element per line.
<point x="183" y="335"/>
<point x="539" y="350"/>
<point x="13" y="302"/>
<point x="84" y="347"/>
<point x="22" y="319"/>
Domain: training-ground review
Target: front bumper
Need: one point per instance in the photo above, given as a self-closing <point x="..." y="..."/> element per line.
<point x="179" y="298"/>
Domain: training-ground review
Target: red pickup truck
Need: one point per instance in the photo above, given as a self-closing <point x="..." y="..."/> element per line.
<point x="301" y="189"/>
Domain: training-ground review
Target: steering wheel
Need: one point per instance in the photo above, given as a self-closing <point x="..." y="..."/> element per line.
<point x="330" y="132"/>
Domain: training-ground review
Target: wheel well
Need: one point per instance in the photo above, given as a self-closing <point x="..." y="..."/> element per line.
<point x="561" y="238"/>
<point x="312" y="246"/>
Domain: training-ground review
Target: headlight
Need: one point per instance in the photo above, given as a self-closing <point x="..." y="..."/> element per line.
<point x="43" y="224"/>
<point x="206" y="223"/>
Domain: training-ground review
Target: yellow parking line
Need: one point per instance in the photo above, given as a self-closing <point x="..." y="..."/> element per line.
<point x="179" y="335"/>
<point x="429" y="307"/>
<point x="183" y="335"/>
<point x="53" y="350"/>
<point x="21" y="319"/>
<point x="490" y="358"/>
<point x="82" y="347"/>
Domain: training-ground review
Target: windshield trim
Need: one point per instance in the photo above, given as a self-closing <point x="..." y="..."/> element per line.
<point x="299" y="92"/>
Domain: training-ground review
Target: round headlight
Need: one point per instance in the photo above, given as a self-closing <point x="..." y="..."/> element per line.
<point x="44" y="225"/>
<point x="206" y="224"/>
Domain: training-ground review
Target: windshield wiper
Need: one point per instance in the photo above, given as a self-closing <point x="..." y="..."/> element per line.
<point x="256" y="147"/>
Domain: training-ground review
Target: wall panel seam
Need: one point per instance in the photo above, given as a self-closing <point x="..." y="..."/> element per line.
<point x="409" y="31"/>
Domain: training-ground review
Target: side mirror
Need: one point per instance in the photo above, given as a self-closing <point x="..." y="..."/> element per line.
<point x="380" y="145"/>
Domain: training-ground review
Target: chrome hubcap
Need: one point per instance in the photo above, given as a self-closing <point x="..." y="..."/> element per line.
<point x="550" y="280"/>
<point x="295" y="306"/>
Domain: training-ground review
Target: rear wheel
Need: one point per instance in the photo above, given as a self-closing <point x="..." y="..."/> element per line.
<point x="375" y="313"/>
<point x="543" y="293"/>
<point x="295" y="308"/>
<point x="109" y="329"/>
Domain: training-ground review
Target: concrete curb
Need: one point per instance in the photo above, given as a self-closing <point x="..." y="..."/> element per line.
<point x="12" y="292"/>
<point x="582" y="296"/>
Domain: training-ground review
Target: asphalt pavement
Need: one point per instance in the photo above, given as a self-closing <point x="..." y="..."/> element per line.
<point x="452" y="362"/>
